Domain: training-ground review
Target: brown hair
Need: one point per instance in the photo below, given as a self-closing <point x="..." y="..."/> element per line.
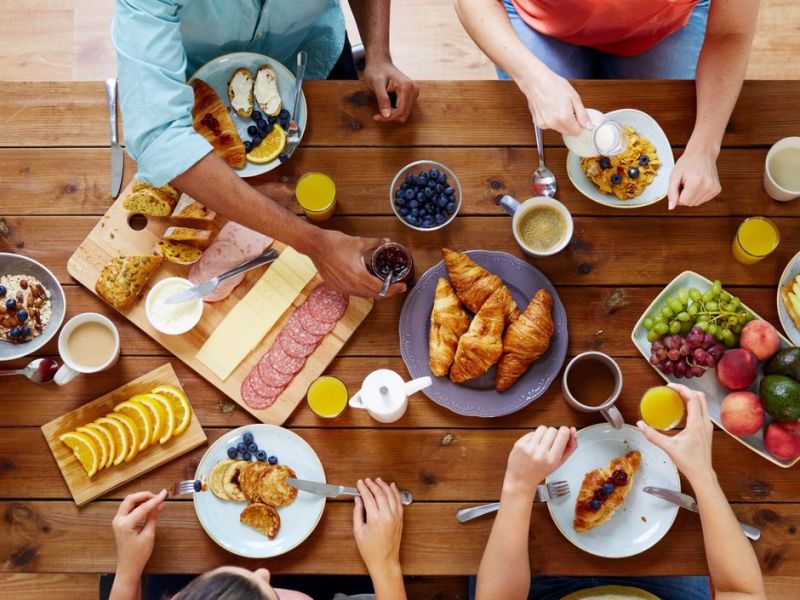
<point x="220" y="586"/>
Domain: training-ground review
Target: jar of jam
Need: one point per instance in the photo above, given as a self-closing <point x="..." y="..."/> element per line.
<point x="391" y="257"/>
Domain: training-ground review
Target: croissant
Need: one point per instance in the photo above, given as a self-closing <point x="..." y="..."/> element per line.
<point x="482" y="345"/>
<point x="526" y="339"/>
<point x="212" y="121"/>
<point x="474" y="284"/>
<point x="449" y="321"/>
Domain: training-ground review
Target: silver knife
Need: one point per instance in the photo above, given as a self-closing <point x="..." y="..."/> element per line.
<point x="116" y="151"/>
<point x="294" y="127"/>
<point x="334" y="491"/>
<point x="209" y="286"/>
<point x="689" y="503"/>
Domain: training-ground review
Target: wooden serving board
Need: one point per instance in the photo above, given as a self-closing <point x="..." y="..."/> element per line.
<point x="114" y="235"/>
<point x="83" y="488"/>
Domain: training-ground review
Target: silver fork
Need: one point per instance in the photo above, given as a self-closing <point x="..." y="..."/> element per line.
<point x="294" y="129"/>
<point x="187" y="486"/>
<point x="544" y="493"/>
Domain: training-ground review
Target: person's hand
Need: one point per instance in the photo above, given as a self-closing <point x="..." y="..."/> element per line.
<point x="554" y="104"/>
<point x="690" y="449"/>
<point x="134" y="528"/>
<point x="378" y="526"/>
<point x="694" y="180"/>
<point x="383" y="77"/>
<point x="537" y="454"/>
<point x="339" y="259"/>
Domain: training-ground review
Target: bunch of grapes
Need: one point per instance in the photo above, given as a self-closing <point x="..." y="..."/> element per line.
<point x="688" y="356"/>
<point x="715" y="312"/>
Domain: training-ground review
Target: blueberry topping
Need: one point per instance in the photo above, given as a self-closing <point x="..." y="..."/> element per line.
<point x="14" y="332"/>
<point x="25" y="332"/>
<point x="616" y="178"/>
<point x="247" y="456"/>
<point x="595" y="505"/>
<point x="232" y="452"/>
<point x="198" y="485"/>
<point x="261" y="456"/>
<point x="252" y="448"/>
<point x="605" y="163"/>
<point x="241" y="447"/>
<point x="11" y="304"/>
<point x="608" y="487"/>
<point x="644" y="160"/>
<point x="619" y="478"/>
<point x="248" y="146"/>
<point x="3" y="291"/>
<point x="600" y="494"/>
<point x="22" y="315"/>
<point x="273" y="460"/>
<point x="633" y="172"/>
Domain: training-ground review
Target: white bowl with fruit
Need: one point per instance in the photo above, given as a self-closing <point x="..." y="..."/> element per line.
<point x="700" y="335"/>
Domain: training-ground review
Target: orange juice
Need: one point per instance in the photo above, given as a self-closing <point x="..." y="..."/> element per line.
<point x="661" y="407"/>
<point x="316" y="193"/>
<point x="327" y="397"/>
<point x="756" y="238"/>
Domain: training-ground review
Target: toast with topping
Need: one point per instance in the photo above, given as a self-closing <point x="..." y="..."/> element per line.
<point x="790" y="294"/>
<point x="266" y="91"/>
<point x="240" y="92"/>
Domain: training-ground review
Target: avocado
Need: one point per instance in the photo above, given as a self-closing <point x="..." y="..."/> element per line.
<point x="785" y="362"/>
<point x="780" y="396"/>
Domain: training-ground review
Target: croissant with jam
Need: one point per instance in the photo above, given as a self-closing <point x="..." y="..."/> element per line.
<point x="212" y="121"/>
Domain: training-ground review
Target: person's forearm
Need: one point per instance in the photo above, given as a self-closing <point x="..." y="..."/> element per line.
<point x="212" y="183"/>
<point x="505" y="571"/>
<point x="126" y="586"/>
<point x="388" y="583"/>
<point x="732" y="562"/>
<point x="372" y="18"/>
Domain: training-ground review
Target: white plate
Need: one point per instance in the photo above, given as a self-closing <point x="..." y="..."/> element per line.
<point x="220" y="518"/>
<point x="218" y="72"/>
<point x="708" y="383"/>
<point x="643" y="519"/>
<point x="792" y="269"/>
<point x="646" y="126"/>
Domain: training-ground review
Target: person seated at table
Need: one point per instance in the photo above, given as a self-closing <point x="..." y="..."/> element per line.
<point x="377" y="529"/>
<point x="543" y="43"/>
<point x="161" y="43"/>
<point x="504" y="571"/>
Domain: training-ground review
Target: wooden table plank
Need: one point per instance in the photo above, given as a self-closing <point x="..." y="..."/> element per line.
<point x="53" y="586"/>
<point x="75" y="114"/>
<point x="42" y="536"/>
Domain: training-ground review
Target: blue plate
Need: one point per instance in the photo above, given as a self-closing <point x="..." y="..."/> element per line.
<point x="218" y="72"/>
<point x="478" y="398"/>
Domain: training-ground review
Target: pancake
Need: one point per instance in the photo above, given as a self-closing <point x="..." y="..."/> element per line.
<point x="261" y="517"/>
<point x="231" y="480"/>
<point x="217" y="477"/>
<point x="273" y="488"/>
<point x="249" y="480"/>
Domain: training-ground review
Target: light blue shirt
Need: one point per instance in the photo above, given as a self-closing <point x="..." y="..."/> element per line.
<point x="160" y="43"/>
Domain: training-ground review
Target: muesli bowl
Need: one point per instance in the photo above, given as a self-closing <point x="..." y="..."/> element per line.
<point x="52" y="307"/>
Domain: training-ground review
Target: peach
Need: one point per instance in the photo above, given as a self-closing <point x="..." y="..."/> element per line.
<point x="737" y="369"/>
<point x="783" y="440"/>
<point x="760" y="338"/>
<point x="742" y="413"/>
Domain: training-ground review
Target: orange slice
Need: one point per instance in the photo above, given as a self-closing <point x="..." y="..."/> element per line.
<point x="180" y="405"/>
<point x="85" y="450"/>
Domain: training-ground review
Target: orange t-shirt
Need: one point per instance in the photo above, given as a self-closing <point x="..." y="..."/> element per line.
<point x="621" y="27"/>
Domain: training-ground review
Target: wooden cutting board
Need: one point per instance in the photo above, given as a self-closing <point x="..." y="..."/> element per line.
<point x="83" y="488"/>
<point x="118" y="233"/>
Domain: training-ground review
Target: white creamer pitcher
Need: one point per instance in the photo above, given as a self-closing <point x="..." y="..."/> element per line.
<point x="384" y="394"/>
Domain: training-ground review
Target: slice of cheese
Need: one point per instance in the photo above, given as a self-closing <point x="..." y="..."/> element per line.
<point x="255" y="315"/>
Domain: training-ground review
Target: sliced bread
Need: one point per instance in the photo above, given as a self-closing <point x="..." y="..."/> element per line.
<point x="189" y="209"/>
<point x="178" y="253"/>
<point x="266" y="91"/>
<point x="240" y="92"/>
<point x="123" y="279"/>
<point x="199" y="238"/>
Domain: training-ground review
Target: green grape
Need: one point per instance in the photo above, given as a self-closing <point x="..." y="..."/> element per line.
<point x="692" y="310"/>
<point x="683" y="295"/>
<point x="675" y="304"/>
<point x="675" y="327"/>
<point x="725" y="297"/>
<point x="683" y="316"/>
<point x="694" y="294"/>
<point x="661" y="328"/>
<point x="719" y="335"/>
<point x="737" y="329"/>
<point x="712" y="306"/>
<point x="658" y="319"/>
<point x="686" y="328"/>
<point x="702" y="325"/>
<point x="733" y="321"/>
<point x="729" y="307"/>
<point x="735" y="302"/>
<point x="652" y="336"/>
<point x="712" y="329"/>
<point x="648" y="323"/>
<point x="708" y="297"/>
<point x="716" y="289"/>
<point x="666" y="312"/>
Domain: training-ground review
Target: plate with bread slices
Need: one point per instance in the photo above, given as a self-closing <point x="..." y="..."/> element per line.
<point x="242" y="106"/>
<point x="488" y="328"/>
<point x="789" y="300"/>
<point x="248" y="508"/>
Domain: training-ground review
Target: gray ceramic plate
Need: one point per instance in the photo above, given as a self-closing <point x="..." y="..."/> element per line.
<point x="16" y="264"/>
<point x="478" y="397"/>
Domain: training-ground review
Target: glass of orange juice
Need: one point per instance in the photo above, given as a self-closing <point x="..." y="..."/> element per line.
<point x="327" y="396"/>
<point x="316" y="193"/>
<point x="756" y="238"/>
<point x="661" y="407"/>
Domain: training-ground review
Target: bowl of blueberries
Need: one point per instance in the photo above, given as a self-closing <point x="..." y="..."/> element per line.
<point x="425" y="195"/>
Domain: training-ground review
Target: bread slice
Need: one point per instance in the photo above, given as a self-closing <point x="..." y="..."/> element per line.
<point x="273" y="488"/>
<point x="167" y="188"/>
<point x="149" y="201"/>
<point x="266" y="91"/>
<point x="240" y="92"/>
<point x="262" y="518"/>
<point x="198" y="238"/>
<point x="189" y="209"/>
<point x="178" y="253"/>
<point x="123" y="279"/>
<point x="790" y="294"/>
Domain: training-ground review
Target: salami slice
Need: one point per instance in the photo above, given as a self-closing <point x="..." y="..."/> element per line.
<point x="310" y="324"/>
<point x="270" y="375"/>
<point x="300" y="335"/>
<point x="283" y="363"/>
<point x="263" y="388"/>
<point x="292" y="347"/>
<point x="253" y="398"/>
<point x="327" y="305"/>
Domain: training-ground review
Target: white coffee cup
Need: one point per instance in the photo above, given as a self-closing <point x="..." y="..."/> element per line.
<point x="519" y="209"/>
<point x="72" y="364"/>
<point x="770" y="185"/>
<point x="607" y="408"/>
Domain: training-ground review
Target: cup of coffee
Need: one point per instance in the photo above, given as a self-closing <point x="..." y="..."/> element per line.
<point x="88" y="343"/>
<point x="782" y="170"/>
<point x="592" y="383"/>
<point x="542" y="226"/>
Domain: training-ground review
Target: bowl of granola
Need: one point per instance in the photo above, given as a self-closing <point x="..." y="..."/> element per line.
<point x="32" y="305"/>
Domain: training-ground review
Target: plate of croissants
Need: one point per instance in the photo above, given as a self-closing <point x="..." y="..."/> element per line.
<point x="494" y="335"/>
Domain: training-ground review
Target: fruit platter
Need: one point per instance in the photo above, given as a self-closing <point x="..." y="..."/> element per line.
<point x="700" y="335"/>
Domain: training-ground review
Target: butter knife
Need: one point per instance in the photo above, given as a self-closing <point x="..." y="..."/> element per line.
<point x="689" y="503"/>
<point x="116" y="151"/>
<point x="334" y="491"/>
<point x="294" y="127"/>
<point x="205" y="288"/>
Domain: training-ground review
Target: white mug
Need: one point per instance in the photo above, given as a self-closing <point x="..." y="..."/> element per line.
<point x="518" y="209"/>
<point x="770" y="185"/>
<point x="72" y="365"/>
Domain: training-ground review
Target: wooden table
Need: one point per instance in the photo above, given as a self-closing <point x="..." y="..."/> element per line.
<point x="54" y="165"/>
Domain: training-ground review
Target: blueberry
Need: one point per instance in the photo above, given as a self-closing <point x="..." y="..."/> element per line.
<point x="428" y="192"/>
<point x="616" y="178"/>
<point x="431" y="184"/>
<point x="256" y="115"/>
<point x="284" y="123"/>
<point x="409" y="178"/>
<point x="400" y="192"/>
<point x="247" y="438"/>
<point x="273" y="460"/>
<point x="415" y="212"/>
<point x="272" y="120"/>
<point x="252" y="130"/>
<point x="232" y="452"/>
<point x="283" y="157"/>
<point x="261" y="456"/>
<point x="441" y="202"/>
<point x="450" y="208"/>
<point x="403" y="211"/>
<point x="241" y="447"/>
<point x="198" y="485"/>
<point x="248" y="146"/>
<point x="256" y="141"/>
<point x="413" y="204"/>
<point x="284" y="114"/>
<point x="247" y="456"/>
<point x="3" y="291"/>
<point x="438" y="188"/>
<point x="420" y="196"/>
<point x="605" y="163"/>
<point x="14" y="332"/>
<point x="262" y="124"/>
<point x="411" y="220"/>
<point x="22" y="315"/>
<point x="25" y="332"/>
<point x="11" y="304"/>
<point x="427" y="223"/>
<point x="607" y="488"/>
<point x="252" y="448"/>
<point x="409" y="194"/>
<point x="400" y="202"/>
<point x="435" y="172"/>
<point x="422" y="180"/>
<point x="440" y="218"/>
<point x="644" y="160"/>
<point x="448" y="191"/>
<point x="442" y="178"/>
<point x="633" y="173"/>
<point x="595" y="504"/>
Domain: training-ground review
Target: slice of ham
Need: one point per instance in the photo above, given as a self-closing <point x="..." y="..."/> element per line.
<point x="251" y="242"/>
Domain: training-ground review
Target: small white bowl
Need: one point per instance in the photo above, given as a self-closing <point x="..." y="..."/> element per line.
<point x="159" y="314"/>
<point x="414" y="168"/>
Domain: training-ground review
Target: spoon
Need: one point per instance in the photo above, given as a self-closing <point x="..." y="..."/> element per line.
<point x="41" y="370"/>
<point x="386" y="283"/>
<point x="542" y="180"/>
